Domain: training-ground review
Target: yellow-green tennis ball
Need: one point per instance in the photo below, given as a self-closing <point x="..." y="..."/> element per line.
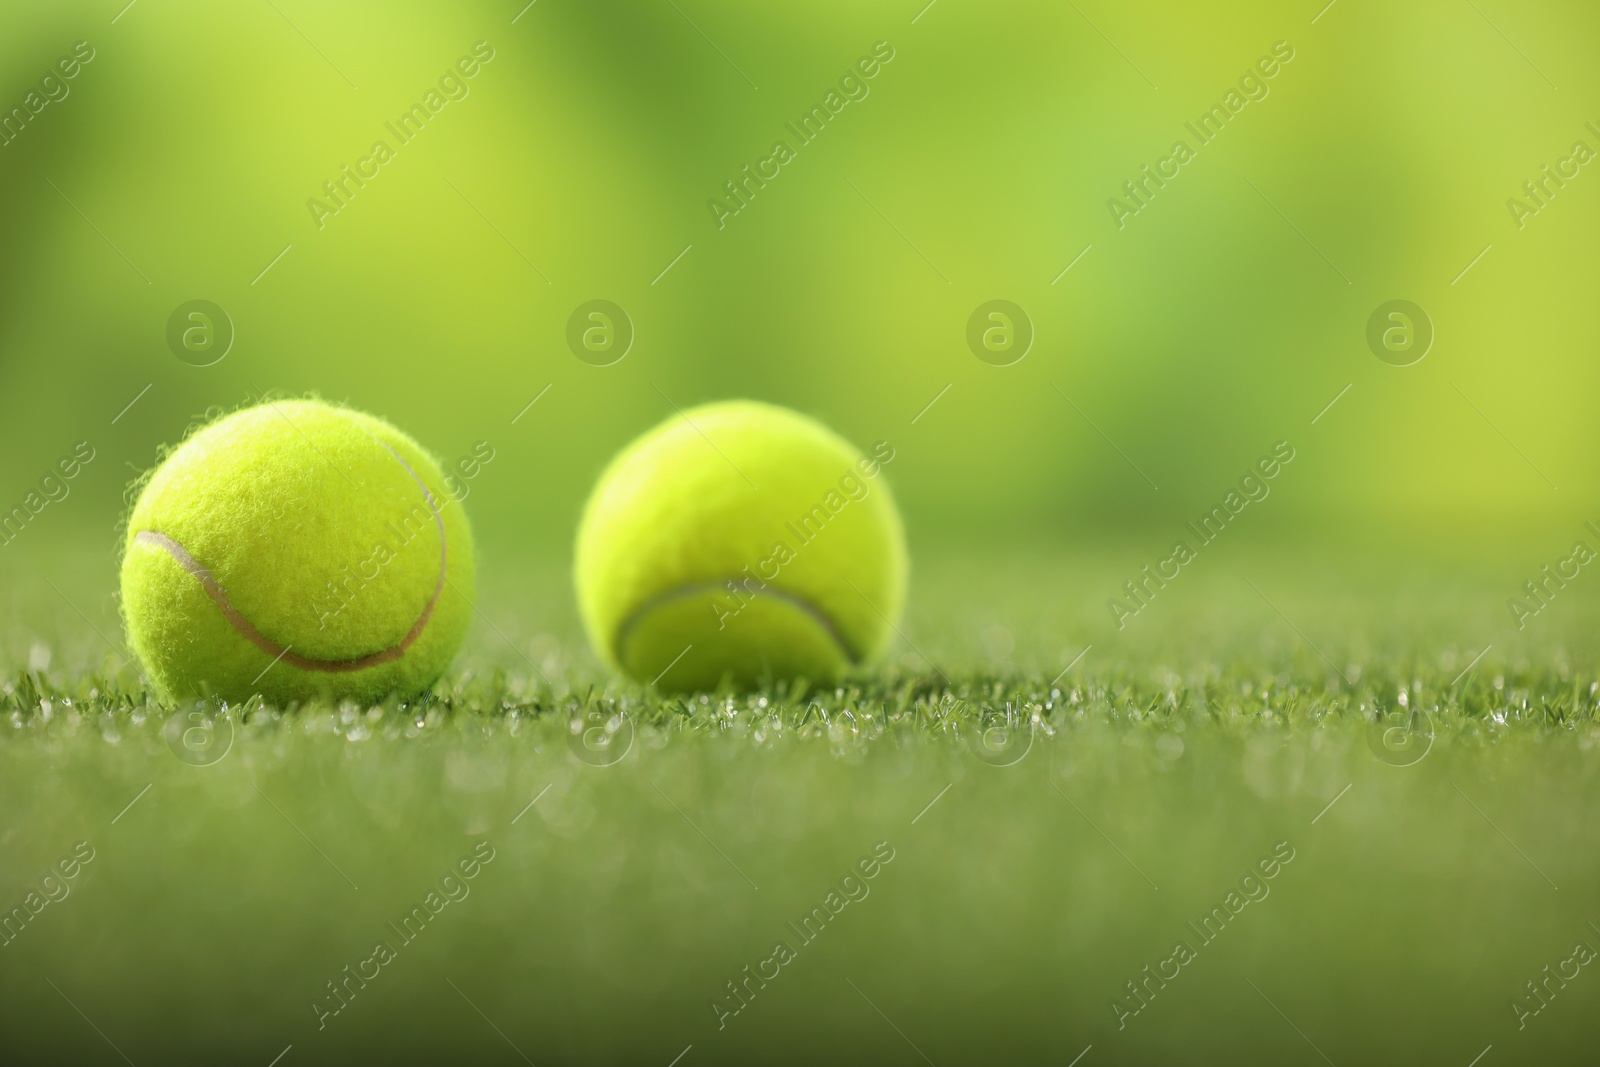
<point x="296" y="550"/>
<point x="744" y="541"/>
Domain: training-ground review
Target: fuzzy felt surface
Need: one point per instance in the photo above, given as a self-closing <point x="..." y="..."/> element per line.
<point x="750" y="535"/>
<point x="296" y="549"/>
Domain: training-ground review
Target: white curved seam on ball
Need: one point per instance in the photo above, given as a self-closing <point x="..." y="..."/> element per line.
<point x="246" y="629"/>
<point x="635" y="616"/>
<point x="444" y="551"/>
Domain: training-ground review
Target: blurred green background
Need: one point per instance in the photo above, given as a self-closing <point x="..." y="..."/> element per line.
<point x="1169" y="355"/>
<point x="1220" y="320"/>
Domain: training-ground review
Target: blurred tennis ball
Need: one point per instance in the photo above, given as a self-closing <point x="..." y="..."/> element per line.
<point x="740" y="541"/>
<point x="296" y="550"/>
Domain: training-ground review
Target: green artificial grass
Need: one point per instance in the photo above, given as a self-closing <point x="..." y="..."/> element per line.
<point x="967" y="854"/>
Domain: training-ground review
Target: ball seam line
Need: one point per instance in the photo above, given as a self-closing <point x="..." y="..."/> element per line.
<point x="246" y="629"/>
<point x="637" y="614"/>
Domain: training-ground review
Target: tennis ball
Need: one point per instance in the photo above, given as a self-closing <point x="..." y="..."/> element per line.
<point x="742" y="541"/>
<point x="296" y="550"/>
